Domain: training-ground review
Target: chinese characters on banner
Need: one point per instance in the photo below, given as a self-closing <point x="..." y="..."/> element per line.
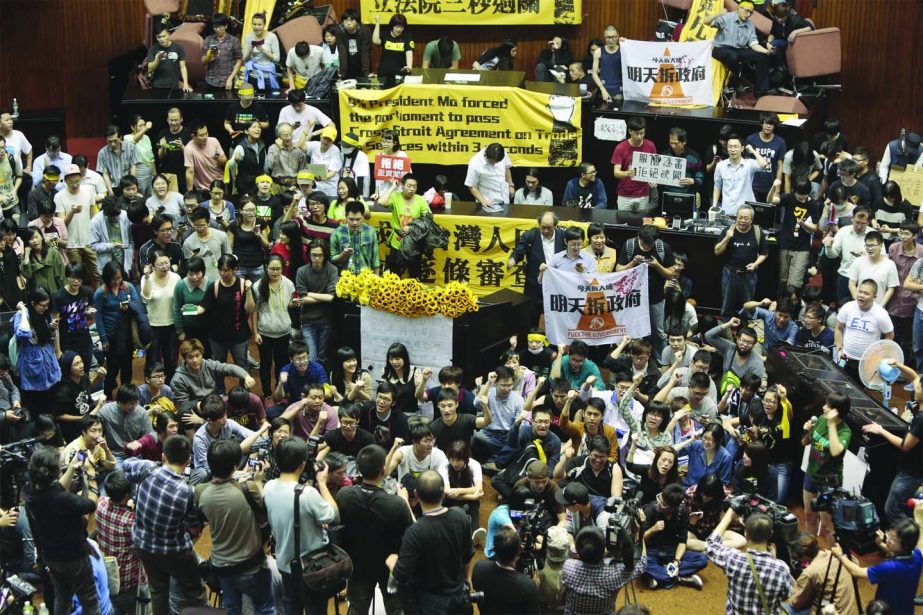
<point x="476" y="12"/>
<point x="391" y="167"/>
<point x="441" y="124"/>
<point x="477" y="254"/>
<point x="667" y="74"/>
<point x="596" y="308"/>
<point x="663" y="170"/>
<point x="696" y="30"/>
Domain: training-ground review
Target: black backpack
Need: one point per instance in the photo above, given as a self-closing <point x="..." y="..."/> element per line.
<point x="319" y="85"/>
<point x="504" y="481"/>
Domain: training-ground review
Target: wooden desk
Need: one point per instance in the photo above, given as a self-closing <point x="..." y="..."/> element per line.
<point x="490" y="78"/>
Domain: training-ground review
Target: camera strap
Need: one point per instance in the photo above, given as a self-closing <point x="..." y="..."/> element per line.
<point x="759" y="586"/>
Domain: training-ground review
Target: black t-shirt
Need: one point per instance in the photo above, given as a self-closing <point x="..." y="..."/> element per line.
<point x="743" y="249"/>
<point x="435" y="551"/>
<point x="505" y="591"/>
<point x="394" y="54"/>
<point x="228" y="310"/>
<point x="72" y="398"/>
<point x="339" y="444"/>
<point x="247" y="246"/>
<point x="579" y="469"/>
<point x="792" y="211"/>
<point x="395" y="426"/>
<point x="632" y="248"/>
<point x="871" y="181"/>
<point x="374" y="523"/>
<point x="268" y="211"/>
<point x="241" y="118"/>
<point x="167" y="74"/>
<point x="73" y="312"/>
<point x="462" y="429"/>
<point x="911" y="462"/>
<point x="857" y="194"/>
<point x="770" y="434"/>
<point x="173" y="161"/>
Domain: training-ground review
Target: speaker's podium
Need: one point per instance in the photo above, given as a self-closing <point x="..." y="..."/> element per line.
<point x="477" y="338"/>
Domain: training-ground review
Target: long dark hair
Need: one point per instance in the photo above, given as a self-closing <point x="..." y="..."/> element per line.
<point x="802" y="161"/>
<point x="295" y="246"/>
<point x="674" y="308"/>
<point x="759" y="460"/>
<point x="263" y="293"/>
<point x="396" y="350"/>
<point x="654" y="474"/>
<point x="533" y="172"/>
<point x="43" y="252"/>
<point x="711" y="486"/>
<point x="38" y="323"/>
<point x="338" y="374"/>
<point x="464" y="478"/>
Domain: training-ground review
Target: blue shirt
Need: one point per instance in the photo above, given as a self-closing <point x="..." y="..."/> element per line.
<point x="721" y="466"/>
<point x="773" y="334"/>
<point x="499" y="518"/>
<point x="165" y="508"/>
<point x="586" y="370"/>
<point x="37" y="364"/>
<point x="296" y="382"/>
<point x="594" y="195"/>
<point x="897" y="580"/>
<point x="107" y="308"/>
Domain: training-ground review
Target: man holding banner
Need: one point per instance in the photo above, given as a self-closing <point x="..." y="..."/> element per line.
<point x="736" y="42"/>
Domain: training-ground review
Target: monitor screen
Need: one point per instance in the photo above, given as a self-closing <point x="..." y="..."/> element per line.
<point x="679" y="205"/>
<point x="765" y="215"/>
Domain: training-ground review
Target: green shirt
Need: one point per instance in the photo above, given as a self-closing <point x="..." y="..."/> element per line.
<point x="822" y="466"/>
<point x="402" y="213"/>
<point x="364" y="245"/>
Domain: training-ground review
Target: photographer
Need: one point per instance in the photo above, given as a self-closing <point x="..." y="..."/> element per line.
<point x="757" y="581"/>
<point x="666" y="529"/>
<point x="828" y="439"/>
<point x="505" y="589"/>
<point x="896" y="577"/>
<point x="593" y="581"/>
<point x="823" y="579"/>
<point x="582" y="509"/>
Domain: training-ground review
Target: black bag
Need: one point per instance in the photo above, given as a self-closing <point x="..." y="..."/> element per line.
<point x="504" y="481"/>
<point x="324" y="571"/>
<point x="318" y="86"/>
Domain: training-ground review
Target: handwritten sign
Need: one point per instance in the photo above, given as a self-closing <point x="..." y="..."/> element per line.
<point x="609" y="129"/>
<point x="663" y="170"/>
<point x="910" y="179"/>
<point x="391" y="167"/>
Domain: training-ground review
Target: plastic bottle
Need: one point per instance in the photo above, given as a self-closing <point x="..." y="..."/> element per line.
<point x="15" y="113"/>
<point x="42" y="609"/>
<point x="27" y="609"/>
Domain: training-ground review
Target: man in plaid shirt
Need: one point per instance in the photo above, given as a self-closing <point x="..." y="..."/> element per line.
<point x="744" y="595"/>
<point x="114" y="524"/>
<point x="166" y="518"/>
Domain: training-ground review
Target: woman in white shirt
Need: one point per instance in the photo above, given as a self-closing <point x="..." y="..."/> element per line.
<point x="157" y="285"/>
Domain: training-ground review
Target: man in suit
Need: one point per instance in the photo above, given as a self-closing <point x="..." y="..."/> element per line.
<point x="537" y="246"/>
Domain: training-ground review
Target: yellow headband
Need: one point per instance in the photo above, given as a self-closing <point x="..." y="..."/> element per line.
<point x="538" y="337"/>
<point x="263" y="178"/>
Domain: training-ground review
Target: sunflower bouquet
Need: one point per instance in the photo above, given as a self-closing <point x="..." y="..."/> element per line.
<point x="405" y="297"/>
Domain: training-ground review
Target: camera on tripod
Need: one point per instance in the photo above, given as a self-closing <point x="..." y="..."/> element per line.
<point x="784" y="523"/>
<point x="531" y="522"/>
<point x="622" y="527"/>
<point x="855" y="521"/>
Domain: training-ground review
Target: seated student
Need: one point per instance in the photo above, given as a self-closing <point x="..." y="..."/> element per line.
<point x="779" y="327"/>
<point x="666" y="530"/>
<point x="582" y="432"/>
<point x="703" y="409"/>
<point x="450" y="378"/>
<point x="679" y="352"/>
<point x="612" y="417"/>
<point x="537" y="431"/>
<point x="72" y="395"/>
<point x="532" y="191"/>
<point x="379" y="417"/>
<point x="537" y="355"/>
<point x="593" y="469"/>
<point x="505" y="404"/>
<point x="706" y="504"/>
<point x="218" y="426"/>
<point x="660" y="472"/>
<point x="653" y="429"/>
<point x="497" y="58"/>
<point x="576" y="73"/>
<point x="449" y="426"/>
<point x="347" y="439"/>
<point x="419" y="456"/>
<point x="707" y="455"/>
<point x="553" y="60"/>
<point x="537" y="485"/>
<point x="738" y="406"/>
<point x="466" y="482"/>
<point x="125" y="421"/>
<point x="814" y="334"/>
<point x="310" y="415"/>
<point x="154" y="387"/>
<point x="738" y="358"/>
<point x="753" y="474"/>
<point x="245" y="408"/>
<point x="93" y="446"/>
<point x="898" y="576"/>
<point x="576" y="367"/>
<point x="523" y="377"/>
<point x="700" y="364"/>
<point x="295" y="375"/>
<point x="150" y="446"/>
<point x="636" y="357"/>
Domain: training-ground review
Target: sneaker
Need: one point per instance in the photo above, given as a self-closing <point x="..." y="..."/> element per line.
<point x="909" y="387"/>
<point x="651" y="583"/>
<point x="692" y="581"/>
<point x="490" y="468"/>
<point x="479" y="538"/>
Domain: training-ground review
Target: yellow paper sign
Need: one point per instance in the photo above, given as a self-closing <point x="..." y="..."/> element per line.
<point x="476" y="12"/>
<point x="910" y="180"/>
<point x="443" y="124"/>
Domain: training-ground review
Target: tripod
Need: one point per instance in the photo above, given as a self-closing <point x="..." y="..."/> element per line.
<point x="818" y="603"/>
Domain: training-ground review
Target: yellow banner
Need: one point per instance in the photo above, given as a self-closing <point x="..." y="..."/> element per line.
<point x="696" y="30"/>
<point x="476" y="12"/>
<point x="448" y="124"/>
<point x="477" y="254"/>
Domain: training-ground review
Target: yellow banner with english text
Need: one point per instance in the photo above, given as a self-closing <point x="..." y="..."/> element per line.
<point x="476" y="12"/>
<point x="448" y="124"/>
<point x="478" y="251"/>
<point x="697" y="30"/>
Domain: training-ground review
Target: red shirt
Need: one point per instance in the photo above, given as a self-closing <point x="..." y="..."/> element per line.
<point x="622" y="156"/>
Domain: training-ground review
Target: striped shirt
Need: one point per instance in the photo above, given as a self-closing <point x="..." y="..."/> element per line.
<point x="116" y="164"/>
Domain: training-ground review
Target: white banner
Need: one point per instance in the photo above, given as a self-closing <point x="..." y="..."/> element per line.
<point x="667" y="73"/>
<point x="663" y="170"/>
<point x="596" y="308"/>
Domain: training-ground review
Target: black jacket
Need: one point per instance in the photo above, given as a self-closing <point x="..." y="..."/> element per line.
<point x="529" y="247"/>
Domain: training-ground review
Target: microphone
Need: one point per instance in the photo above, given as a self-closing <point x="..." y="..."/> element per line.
<point x="912" y="502"/>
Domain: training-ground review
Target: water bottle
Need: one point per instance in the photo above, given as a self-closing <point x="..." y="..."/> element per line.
<point x="15" y="114"/>
<point x="42" y="609"/>
<point x="392" y="584"/>
<point x="27" y="608"/>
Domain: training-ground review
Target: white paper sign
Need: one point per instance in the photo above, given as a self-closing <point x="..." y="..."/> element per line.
<point x="428" y="339"/>
<point x="610" y="129"/>
<point x="662" y="170"/>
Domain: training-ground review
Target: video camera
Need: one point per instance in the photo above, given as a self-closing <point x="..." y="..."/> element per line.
<point x="14" y="594"/>
<point x="531" y="522"/>
<point x="310" y="468"/>
<point x="623" y="526"/>
<point x="855" y="521"/>
<point x="784" y="523"/>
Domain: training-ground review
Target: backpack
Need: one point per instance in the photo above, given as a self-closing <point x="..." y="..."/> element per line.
<point x="318" y="86"/>
<point x="632" y="245"/>
<point x="516" y="470"/>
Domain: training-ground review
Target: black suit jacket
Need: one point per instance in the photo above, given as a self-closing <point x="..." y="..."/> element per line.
<point x="529" y="247"/>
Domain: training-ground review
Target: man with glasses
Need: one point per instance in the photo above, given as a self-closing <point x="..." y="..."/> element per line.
<point x="74" y="204"/>
<point x="734" y="176"/>
<point x="814" y="335"/>
<point x="866" y="175"/>
<point x="53" y="155"/>
<point x="164" y="242"/>
<point x="874" y="265"/>
<point x="116" y="159"/>
<point x="702" y="408"/>
<point x="744" y="248"/>
<point x="379" y="419"/>
<point x="857" y="193"/>
<point x="586" y="191"/>
<point x="848" y="244"/>
<point x="736" y="42"/>
<point x="738" y="358"/>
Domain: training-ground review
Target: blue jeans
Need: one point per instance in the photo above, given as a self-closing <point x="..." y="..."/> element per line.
<point x="220" y="352"/>
<point x="316" y="335"/>
<point x="257" y="585"/>
<point x="783" y="479"/>
<point x="659" y="556"/>
<point x="903" y="488"/>
<point x="298" y="600"/>
<point x="736" y="288"/>
<point x="918" y="338"/>
<point x="251" y="273"/>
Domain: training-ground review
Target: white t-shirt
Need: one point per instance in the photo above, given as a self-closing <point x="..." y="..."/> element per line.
<point x="307" y="67"/>
<point x="95" y="181"/>
<point x="434" y="461"/>
<point x="172" y="204"/>
<point x="332" y="159"/>
<point x="19" y="143"/>
<point x="309" y="115"/>
<point x="862" y="328"/>
<point x="160" y="302"/>
<point x="489" y="179"/>
<point x="884" y="273"/>
<point x="78" y="229"/>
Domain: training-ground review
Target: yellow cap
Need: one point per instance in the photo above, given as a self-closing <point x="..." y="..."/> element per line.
<point x="305" y="176"/>
<point x="329" y="132"/>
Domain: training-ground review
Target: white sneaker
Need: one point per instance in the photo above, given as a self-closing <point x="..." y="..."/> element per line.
<point x="692" y="581"/>
<point x="479" y="538"/>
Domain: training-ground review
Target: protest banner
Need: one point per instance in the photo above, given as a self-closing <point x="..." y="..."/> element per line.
<point x="598" y="308"/>
<point x="391" y="167"/>
<point x="477" y="254"/>
<point x="663" y="170"/>
<point x="476" y="12"/>
<point x="695" y="29"/>
<point x="667" y="74"/>
<point x="448" y="124"/>
<point x="910" y="179"/>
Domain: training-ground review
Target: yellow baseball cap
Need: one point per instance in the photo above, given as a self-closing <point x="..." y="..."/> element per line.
<point x="305" y="177"/>
<point x="329" y="132"/>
